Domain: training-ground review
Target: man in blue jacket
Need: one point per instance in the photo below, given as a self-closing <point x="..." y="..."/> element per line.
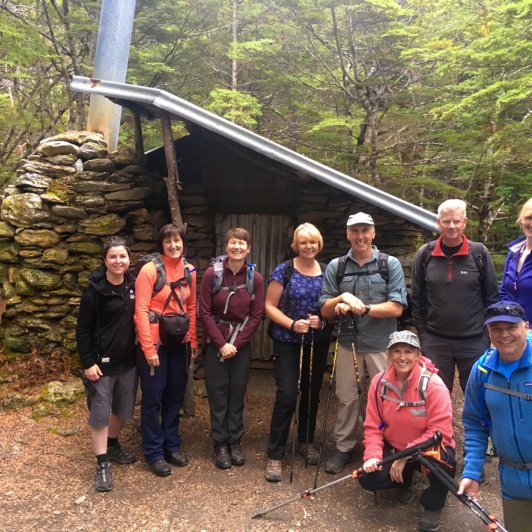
<point x="498" y="403"/>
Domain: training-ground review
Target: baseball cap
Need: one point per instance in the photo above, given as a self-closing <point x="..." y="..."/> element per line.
<point x="404" y="337"/>
<point x="360" y="218"/>
<point x="505" y="311"/>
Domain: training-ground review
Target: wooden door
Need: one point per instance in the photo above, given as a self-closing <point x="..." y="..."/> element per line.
<point x="271" y="236"/>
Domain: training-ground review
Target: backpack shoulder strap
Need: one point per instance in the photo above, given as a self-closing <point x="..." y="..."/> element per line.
<point x="423" y="383"/>
<point x="477" y="250"/>
<point x="323" y="266"/>
<point x="482" y="380"/>
<point x="218" y="266"/>
<point x="382" y="266"/>
<point x="340" y="272"/>
<point x="377" y="396"/>
<point x="161" y="274"/>
<point x="250" y="278"/>
<point x="288" y="271"/>
<point x="427" y="253"/>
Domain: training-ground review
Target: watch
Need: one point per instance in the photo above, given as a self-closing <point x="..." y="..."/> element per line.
<point x="366" y="312"/>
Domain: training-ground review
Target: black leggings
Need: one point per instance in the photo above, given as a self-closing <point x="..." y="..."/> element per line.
<point x="432" y="498"/>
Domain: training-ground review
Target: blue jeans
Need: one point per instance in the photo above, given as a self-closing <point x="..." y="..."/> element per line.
<point x="162" y="399"/>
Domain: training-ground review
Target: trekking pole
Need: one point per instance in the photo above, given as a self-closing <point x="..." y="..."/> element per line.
<point x="333" y="372"/>
<point x="298" y="401"/>
<point x="309" y="390"/>
<point x="353" y="326"/>
<point x="490" y="520"/>
<point x="409" y="451"/>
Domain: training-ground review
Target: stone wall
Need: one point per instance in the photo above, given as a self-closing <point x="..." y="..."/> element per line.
<point x="68" y="197"/>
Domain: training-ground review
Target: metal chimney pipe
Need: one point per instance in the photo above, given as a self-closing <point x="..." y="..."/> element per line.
<point x="110" y="64"/>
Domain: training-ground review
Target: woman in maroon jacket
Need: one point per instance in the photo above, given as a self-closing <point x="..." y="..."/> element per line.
<point x="230" y="316"/>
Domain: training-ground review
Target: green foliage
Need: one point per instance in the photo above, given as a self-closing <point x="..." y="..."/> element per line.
<point x="242" y="109"/>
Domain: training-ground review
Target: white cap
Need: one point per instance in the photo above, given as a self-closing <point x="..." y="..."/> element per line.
<point x="360" y="218"/>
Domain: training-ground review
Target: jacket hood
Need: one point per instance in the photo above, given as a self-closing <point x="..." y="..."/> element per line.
<point x="517" y="244"/>
<point x="428" y="364"/>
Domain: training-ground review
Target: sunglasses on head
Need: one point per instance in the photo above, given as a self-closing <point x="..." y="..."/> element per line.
<point x="510" y="310"/>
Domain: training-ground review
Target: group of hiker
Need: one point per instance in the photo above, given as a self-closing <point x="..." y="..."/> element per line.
<point x="458" y="310"/>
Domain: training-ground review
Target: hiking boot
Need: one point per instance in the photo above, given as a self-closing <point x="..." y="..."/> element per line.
<point x="221" y="453"/>
<point x="338" y="461"/>
<point x="160" y="468"/>
<point x="274" y="471"/>
<point x="404" y="496"/>
<point x="118" y="455"/>
<point x="103" y="480"/>
<point x="237" y="454"/>
<point x="309" y="453"/>
<point x="177" y="458"/>
<point x="429" y="520"/>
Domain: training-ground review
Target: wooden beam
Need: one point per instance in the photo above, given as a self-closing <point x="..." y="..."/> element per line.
<point x="172" y="179"/>
<point x="139" y="141"/>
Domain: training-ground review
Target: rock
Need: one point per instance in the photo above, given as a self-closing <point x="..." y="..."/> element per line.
<point x="30" y="253"/>
<point x="24" y="210"/>
<point x="8" y="231"/>
<point x="125" y="157"/>
<point x="33" y="180"/>
<point x="65" y="228"/>
<point x="69" y="212"/>
<point x="89" y="201"/>
<point x="9" y="252"/>
<point x="18" y="345"/>
<point x="70" y="431"/>
<point x="93" y="176"/>
<point x="69" y="392"/>
<point x="87" y="248"/>
<point x="40" y="278"/>
<point x="99" y="165"/>
<point x="103" y="225"/>
<point x="51" y="148"/>
<point x="120" y="207"/>
<point x="13" y="401"/>
<point x="77" y="137"/>
<point x="131" y="194"/>
<point x="42" y="238"/>
<point x="91" y="150"/>
<point x="145" y="232"/>
<point x="99" y="186"/>
<point x="81" y="500"/>
<point x="136" y="217"/>
<point x="61" y="159"/>
<point x="49" y="170"/>
<point x="57" y="254"/>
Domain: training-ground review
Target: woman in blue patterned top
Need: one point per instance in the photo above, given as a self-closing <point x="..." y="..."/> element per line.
<point x="292" y="310"/>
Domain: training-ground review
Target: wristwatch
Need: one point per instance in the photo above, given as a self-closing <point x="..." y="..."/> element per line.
<point x="366" y="312"/>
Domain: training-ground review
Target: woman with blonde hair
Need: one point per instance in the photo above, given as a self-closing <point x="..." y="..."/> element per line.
<point x="292" y="306"/>
<point x="516" y="283"/>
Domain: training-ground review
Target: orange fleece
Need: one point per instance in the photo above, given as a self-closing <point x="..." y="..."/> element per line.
<point x="148" y="333"/>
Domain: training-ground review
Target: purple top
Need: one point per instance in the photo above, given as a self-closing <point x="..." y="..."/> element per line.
<point x="299" y="298"/>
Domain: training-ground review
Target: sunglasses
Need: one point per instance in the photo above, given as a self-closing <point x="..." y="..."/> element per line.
<point x="510" y="310"/>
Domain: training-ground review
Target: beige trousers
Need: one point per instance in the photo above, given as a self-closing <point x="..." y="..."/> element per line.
<point x="346" y="391"/>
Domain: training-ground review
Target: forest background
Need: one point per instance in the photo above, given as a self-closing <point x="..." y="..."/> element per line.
<point x="425" y="99"/>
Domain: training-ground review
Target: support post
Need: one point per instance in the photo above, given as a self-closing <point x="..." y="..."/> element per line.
<point x="139" y="141"/>
<point x="173" y="184"/>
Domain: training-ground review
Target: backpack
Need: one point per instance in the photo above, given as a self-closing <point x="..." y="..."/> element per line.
<point x="482" y="379"/>
<point x="161" y="273"/>
<point x="289" y="270"/>
<point x="218" y="266"/>
<point x="475" y="249"/>
<point x="422" y="385"/>
<point x="382" y="270"/>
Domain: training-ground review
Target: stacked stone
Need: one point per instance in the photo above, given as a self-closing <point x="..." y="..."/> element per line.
<point x="67" y="199"/>
<point x="328" y="209"/>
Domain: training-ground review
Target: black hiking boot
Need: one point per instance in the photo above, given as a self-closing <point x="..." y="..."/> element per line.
<point x="338" y="461"/>
<point x="103" y="480"/>
<point x="221" y="455"/>
<point x="118" y="455"/>
<point x="237" y="454"/>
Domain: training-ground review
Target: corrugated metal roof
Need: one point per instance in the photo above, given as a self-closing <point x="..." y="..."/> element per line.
<point x="149" y="101"/>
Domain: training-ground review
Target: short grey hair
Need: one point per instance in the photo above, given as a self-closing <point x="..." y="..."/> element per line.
<point x="451" y="205"/>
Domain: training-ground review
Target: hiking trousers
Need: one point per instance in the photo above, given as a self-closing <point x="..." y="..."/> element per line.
<point x="226" y="384"/>
<point x="163" y="395"/>
<point x="286" y="370"/>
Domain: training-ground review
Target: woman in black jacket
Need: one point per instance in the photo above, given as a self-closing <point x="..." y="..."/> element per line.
<point x="105" y="336"/>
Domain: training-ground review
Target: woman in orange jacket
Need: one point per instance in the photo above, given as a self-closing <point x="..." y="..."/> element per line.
<point x="162" y="365"/>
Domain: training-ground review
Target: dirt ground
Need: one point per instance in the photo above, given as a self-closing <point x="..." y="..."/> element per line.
<point x="46" y="481"/>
